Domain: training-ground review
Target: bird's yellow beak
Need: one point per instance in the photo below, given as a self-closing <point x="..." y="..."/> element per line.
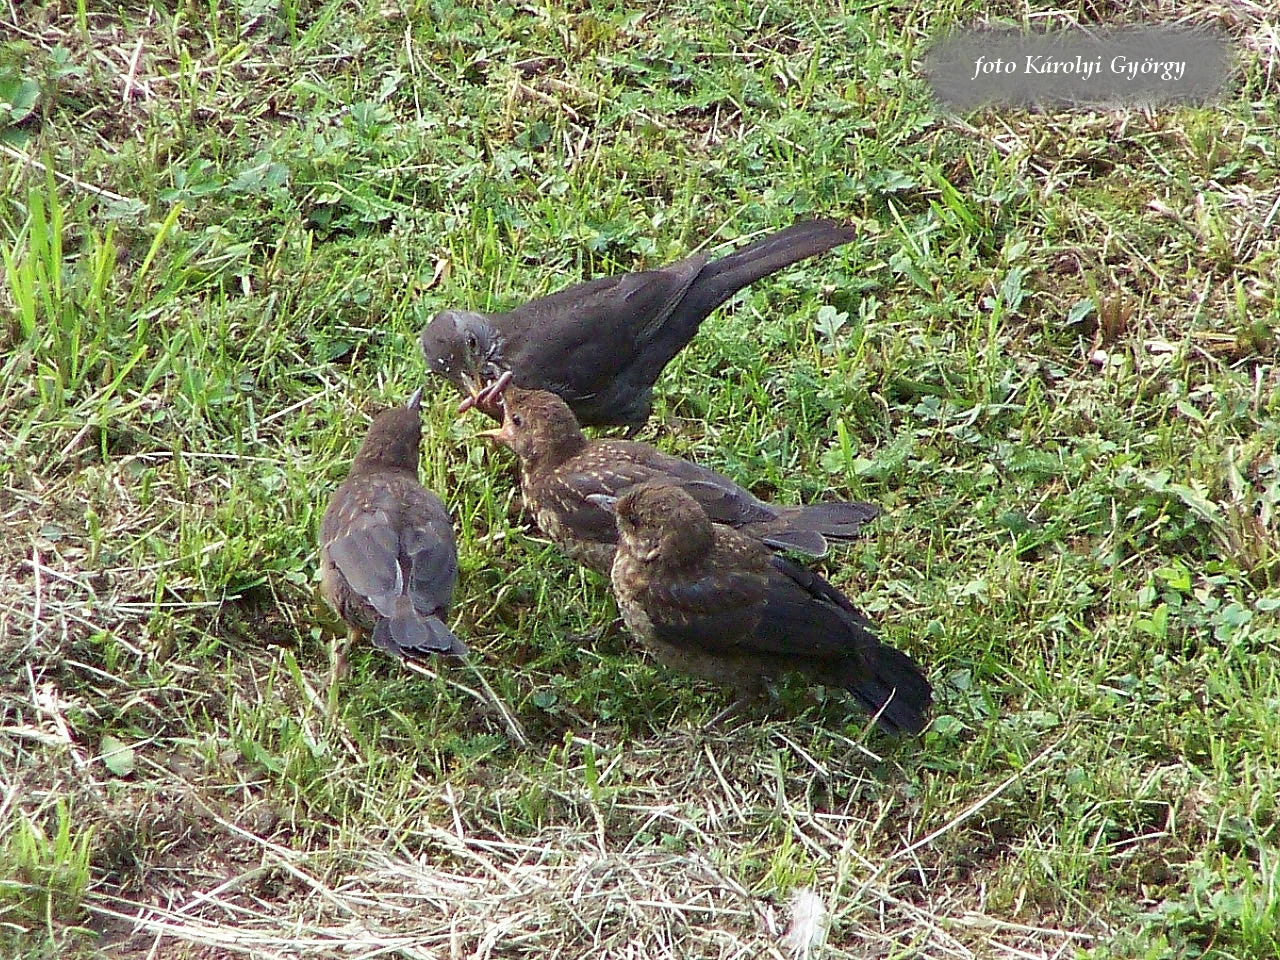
<point x="501" y="434"/>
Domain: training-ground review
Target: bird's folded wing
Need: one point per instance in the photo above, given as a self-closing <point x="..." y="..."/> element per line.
<point x="433" y="573"/>
<point x="806" y="617"/>
<point x="617" y="477"/>
<point x="722" y="499"/>
<point x="610" y="478"/>
<point x="713" y="613"/>
<point x="655" y="294"/>
<point x="366" y="553"/>
<point x="606" y="305"/>
<point x="819" y="588"/>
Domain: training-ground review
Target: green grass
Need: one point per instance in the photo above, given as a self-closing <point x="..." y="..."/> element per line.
<point x="1050" y="355"/>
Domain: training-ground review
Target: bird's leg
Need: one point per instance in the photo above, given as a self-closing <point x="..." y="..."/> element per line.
<point x="339" y="669"/>
<point x="732" y="710"/>
<point x="770" y="691"/>
<point x="744" y="695"/>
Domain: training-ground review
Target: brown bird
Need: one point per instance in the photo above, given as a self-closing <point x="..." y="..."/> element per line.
<point x="388" y="562"/>
<point x="601" y="345"/>
<point x="560" y="469"/>
<point x="714" y="603"/>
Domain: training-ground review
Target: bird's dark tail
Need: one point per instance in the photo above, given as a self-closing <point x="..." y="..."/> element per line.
<point x="884" y="680"/>
<point x="721" y="279"/>
<point x="807" y="529"/>
<point x="890" y="685"/>
<point x="407" y="633"/>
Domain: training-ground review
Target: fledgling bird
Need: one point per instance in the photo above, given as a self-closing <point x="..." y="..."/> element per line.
<point x="601" y="344"/>
<point x="714" y="603"/>
<point x="388" y="560"/>
<point x="560" y="469"/>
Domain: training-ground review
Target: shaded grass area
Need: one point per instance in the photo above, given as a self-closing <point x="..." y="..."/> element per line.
<point x="1050" y="356"/>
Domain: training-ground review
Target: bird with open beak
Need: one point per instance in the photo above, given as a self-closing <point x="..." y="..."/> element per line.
<point x="601" y="345"/>
<point x="388" y="559"/>
<point x="560" y="469"/>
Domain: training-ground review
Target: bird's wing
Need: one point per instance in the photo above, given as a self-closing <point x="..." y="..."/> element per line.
<point x="608" y="475"/>
<point x="726" y="502"/>
<point x="654" y="295"/>
<point x="576" y="341"/>
<point x="630" y="304"/>
<point x="630" y="462"/>
<point x="714" y="613"/>
<point x="713" y="608"/>
<point x="806" y="617"/>
<point x="612" y="467"/>
<point x="427" y="541"/>
<point x="366" y="552"/>
<point x="598" y="472"/>
<point x="818" y="588"/>
<point x="817" y="628"/>
<point x="723" y="500"/>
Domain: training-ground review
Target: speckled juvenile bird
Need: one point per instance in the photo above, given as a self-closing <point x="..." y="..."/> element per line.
<point x="601" y="344"/>
<point x="388" y="562"/>
<point x="714" y="603"/>
<point x="560" y="469"/>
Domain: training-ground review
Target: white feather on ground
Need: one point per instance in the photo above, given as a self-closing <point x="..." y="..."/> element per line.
<point x="807" y="931"/>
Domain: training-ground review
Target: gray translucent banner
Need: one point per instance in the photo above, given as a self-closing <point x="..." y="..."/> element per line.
<point x="1079" y="67"/>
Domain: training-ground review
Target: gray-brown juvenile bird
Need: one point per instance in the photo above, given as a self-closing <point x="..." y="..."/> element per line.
<point x="560" y="469"/>
<point x="601" y="344"/>
<point x="388" y="562"/>
<point x="714" y="603"/>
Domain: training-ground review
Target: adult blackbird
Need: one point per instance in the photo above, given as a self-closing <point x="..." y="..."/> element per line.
<point x="714" y="603"/>
<point x="560" y="469"/>
<point x="601" y="344"/>
<point x="388" y="563"/>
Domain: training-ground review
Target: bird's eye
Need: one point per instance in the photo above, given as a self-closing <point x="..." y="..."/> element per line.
<point x="517" y="420"/>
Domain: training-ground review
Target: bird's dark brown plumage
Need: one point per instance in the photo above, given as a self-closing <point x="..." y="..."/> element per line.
<point x="560" y="470"/>
<point x="714" y="603"/>
<point x="601" y="345"/>
<point x="388" y="561"/>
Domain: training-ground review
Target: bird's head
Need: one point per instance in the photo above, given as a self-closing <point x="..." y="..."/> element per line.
<point x="394" y="437"/>
<point x="538" y="427"/>
<point x="659" y="521"/>
<point x="464" y="348"/>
